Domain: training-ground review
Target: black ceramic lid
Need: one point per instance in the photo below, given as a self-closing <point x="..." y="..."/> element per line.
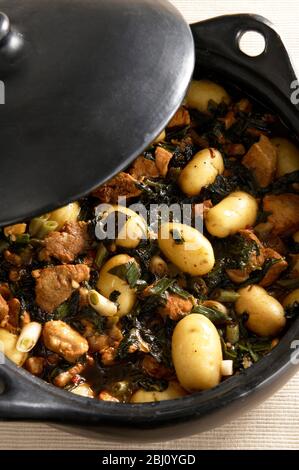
<point x="88" y="85"/>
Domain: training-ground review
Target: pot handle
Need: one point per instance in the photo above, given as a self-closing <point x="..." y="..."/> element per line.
<point x="270" y="73"/>
<point x="23" y="396"/>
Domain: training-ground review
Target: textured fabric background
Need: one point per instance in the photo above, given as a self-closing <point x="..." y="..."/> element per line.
<point x="275" y="424"/>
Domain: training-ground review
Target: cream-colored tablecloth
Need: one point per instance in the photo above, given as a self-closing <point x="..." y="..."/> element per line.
<point x="275" y="424"/>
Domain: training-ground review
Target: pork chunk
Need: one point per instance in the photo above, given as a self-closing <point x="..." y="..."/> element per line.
<point x="122" y="185"/>
<point x="181" y="118"/>
<point x="275" y="270"/>
<point x="66" y="245"/>
<point x="176" y="307"/>
<point x="55" y="285"/>
<point x="163" y="158"/>
<point x="255" y="261"/>
<point x="60" y="338"/>
<point x="261" y="159"/>
<point x="284" y="213"/>
<point x="144" y="168"/>
<point x="4" y="309"/>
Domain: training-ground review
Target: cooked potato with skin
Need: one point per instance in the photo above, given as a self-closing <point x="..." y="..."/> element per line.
<point x="83" y="390"/>
<point x="287" y="157"/>
<point x="201" y="171"/>
<point x="192" y="253"/>
<point x="235" y="212"/>
<point x="160" y="137"/>
<point x="8" y="343"/>
<point x="107" y="283"/>
<point x="266" y="314"/>
<point x="174" y="390"/>
<point x="202" y="91"/>
<point x="291" y="298"/>
<point x="132" y="230"/>
<point x="65" y="214"/>
<point x="196" y="353"/>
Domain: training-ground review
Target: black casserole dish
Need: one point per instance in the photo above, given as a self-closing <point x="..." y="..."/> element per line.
<point x="267" y="78"/>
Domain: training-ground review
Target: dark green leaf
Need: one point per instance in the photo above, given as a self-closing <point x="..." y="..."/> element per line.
<point x="161" y="286"/>
<point x="175" y="289"/>
<point x="129" y="272"/>
<point x="215" y="316"/>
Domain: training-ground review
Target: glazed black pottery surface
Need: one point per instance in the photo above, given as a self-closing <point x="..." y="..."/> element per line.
<point x="268" y="78"/>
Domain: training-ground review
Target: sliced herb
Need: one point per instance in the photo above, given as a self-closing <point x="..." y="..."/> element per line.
<point x="129" y="272"/>
<point x="215" y="316"/>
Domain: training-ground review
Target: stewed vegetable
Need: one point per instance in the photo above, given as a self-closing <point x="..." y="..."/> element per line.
<point x="176" y="274"/>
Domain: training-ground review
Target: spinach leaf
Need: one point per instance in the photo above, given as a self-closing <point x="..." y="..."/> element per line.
<point x="215" y="316"/>
<point x="129" y="272"/>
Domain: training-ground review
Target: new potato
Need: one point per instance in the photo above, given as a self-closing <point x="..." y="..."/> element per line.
<point x="196" y="353"/>
<point x="107" y="283"/>
<point x="68" y="213"/>
<point x="201" y="171"/>
<point x="192" y="254"/>
<point x="235" y="212"/>
<point x="174" y="390"/>
<point x="8" y="343"/>
<point x="133" y="226"/>
<point x="266" y="314"/>
<point x="201" y="92"/>
<point x="83" y="390"/>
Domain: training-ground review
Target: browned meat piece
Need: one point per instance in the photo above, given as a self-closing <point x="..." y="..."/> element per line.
<point x="35" y="365"/>
<point x="154" y="369"/>
<point x="60" y="338"/>
<point x="5" y="291"/>
<point x="176" y="307"/>
<point x="105" y="344"/>
<point x="12" y="258"/>
<point x="163" y="158"/>
<point x="284" y="213"/>
<point x="181" y="118"/>
<point x="122" y="185"/>
<point x="55" y="285"/>
<point x="234" y="150"/>
<point x="229" y="119"/>
<point x="98" y="343"/>
<point x="64" y="378"/>
<point x="66" y="245"/>
<point x="13" y="315"/>
<point x="256" y="259"/>
<point x="144" y="168"/>
<point x="243" y="106"/>
<point x="269" y="240"/>
<point x="261" y="159"/>
<point x="4" y="309"/>
<point x="13" y="231"/>
<point x="275" y="270"/>
<point x="108" y="356"/>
